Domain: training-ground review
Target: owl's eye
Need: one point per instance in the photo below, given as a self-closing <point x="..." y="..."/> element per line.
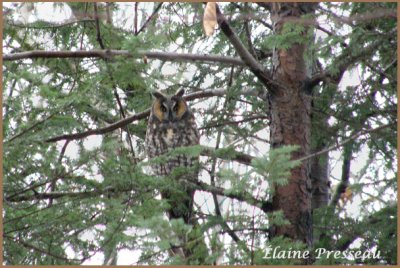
<point x="163" y="109"/>
<point x="175" y="108"/>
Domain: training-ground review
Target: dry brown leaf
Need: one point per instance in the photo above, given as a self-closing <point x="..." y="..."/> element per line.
<point x="210" y="18"/>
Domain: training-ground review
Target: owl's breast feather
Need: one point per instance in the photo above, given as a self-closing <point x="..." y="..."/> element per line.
<point x="169" y="137"/>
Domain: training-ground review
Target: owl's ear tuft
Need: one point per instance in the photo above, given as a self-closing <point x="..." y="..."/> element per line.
<point x="180" y="93"/>
<point x="158" y="95"/>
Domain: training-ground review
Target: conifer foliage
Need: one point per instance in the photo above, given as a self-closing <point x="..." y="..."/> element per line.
<point x="295" y="102"/>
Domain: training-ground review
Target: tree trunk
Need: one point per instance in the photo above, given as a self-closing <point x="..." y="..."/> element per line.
<point x="290" y="110"/>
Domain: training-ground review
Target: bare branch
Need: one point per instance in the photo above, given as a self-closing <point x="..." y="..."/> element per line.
<point x="245" y="119"/>
<point x="105" y="54"/>
<point x="96" y="16"/>
<point x="344" y="181"/>
<point x="265" y="5"/>
<point x="238" y="157"/>
<point x="48" y="24"/>
<point x="57" y="195"/>
<point x="149" y="18"/>
<point x="140" y="116"/>
<point x="257" y="69"/>
<point x="241" y="158"/>
<point x="249" y="42"/>
<point x="135" y="19"/>
<point x="363" y="17"/>
<point x="103" y="130"/>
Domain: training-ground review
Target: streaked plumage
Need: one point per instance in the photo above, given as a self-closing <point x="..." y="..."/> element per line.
<point x="171" y="124"/>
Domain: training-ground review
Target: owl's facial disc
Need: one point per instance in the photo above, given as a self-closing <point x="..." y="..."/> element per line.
<point x="158" y="110"/>
<point x="169" y="109"/>
<point x="179" y="108"/>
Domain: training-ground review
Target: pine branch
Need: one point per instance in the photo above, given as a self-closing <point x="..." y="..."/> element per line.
<point x="200" y="186"/>
<point x="344" y="45"/>
<point x="53" y="184"/>
<point x="342" y="63"/>
<point x="43" y="251"/>
<point x="116" y="95"/>
<point x="349" y="139"/>
<point x="347" y="239"/>
<point x="23" y="132"/>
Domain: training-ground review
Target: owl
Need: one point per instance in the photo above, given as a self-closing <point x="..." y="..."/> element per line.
<point x="171" y="124"/>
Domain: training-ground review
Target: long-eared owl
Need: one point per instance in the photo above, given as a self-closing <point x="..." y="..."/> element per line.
<point x="171" y="124"/>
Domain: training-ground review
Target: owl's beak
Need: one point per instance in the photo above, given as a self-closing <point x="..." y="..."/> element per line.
<point x="171" y="116"/>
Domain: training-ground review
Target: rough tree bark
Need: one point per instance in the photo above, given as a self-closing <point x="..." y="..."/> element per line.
<point x="290" y="111"/>
<point x="290" y="114"/>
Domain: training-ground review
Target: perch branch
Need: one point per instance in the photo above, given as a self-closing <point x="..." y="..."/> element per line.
<point x="140" y="116"/>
